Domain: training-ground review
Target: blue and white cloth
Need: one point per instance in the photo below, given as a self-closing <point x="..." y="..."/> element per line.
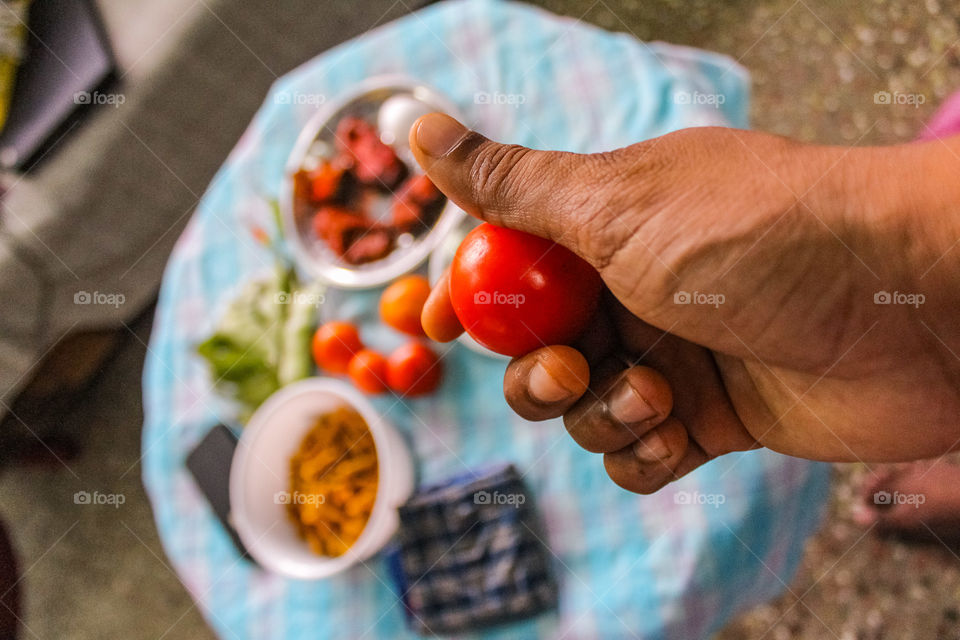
<point x="470" y="553"/>
<point x="675" y="565"/>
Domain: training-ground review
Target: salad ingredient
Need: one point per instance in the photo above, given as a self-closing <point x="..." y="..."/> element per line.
<point x="368" y="371"/>
<point x="296" y="329"/>
<point x="414" y="370"/>
<point x="334" y="345"/>
<point x="253" y="351"/>
<point x="514" y="292"/>
<point x="402" y="302"/>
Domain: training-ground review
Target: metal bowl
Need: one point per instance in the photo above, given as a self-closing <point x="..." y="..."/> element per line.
<point x="313" y="256"/>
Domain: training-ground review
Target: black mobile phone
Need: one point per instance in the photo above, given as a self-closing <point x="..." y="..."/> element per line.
<point x="209" y="463"/>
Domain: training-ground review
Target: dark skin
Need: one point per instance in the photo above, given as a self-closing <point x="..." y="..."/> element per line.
<point x="798" y="239"/>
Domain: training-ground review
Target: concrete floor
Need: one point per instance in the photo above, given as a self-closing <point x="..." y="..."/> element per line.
<point x="95" y="571"/>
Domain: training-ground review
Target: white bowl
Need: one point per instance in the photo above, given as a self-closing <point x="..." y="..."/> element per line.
<point x="261" y="472"/>
<point x="311" y="256"/>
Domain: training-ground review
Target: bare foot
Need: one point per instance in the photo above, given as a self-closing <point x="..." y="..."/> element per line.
<point x="920" y="500"/>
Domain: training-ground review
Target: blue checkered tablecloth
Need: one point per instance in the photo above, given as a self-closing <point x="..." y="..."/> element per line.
<point x="677" y="564"/>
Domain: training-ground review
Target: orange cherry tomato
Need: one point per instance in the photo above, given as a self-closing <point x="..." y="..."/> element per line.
<point x="368" y="371"/>
<point x="414" y="370"/>
<point x="334" y="345"/>
<point x="402" y="302"/>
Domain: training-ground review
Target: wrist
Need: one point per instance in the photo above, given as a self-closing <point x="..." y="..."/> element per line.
<point x="897" y="208"/>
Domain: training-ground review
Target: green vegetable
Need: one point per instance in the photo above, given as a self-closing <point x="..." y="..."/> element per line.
<point x="295" y="362"/>
<point x="262" y="341"/>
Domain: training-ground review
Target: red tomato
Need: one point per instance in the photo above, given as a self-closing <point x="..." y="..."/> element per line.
<point x="334" y="344"/>
<point x="421" y="190"/>
<point x="514" y="292"/>
<point x="402" y="302"/>
<point x="368" y="371"/>
<point x="325" y="181"/>
<point x="413" y="370"/>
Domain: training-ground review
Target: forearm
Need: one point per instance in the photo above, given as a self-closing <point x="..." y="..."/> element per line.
<point x="902" y="217"/>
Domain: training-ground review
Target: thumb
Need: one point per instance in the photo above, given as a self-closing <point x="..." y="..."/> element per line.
<point x="565" y="197"/>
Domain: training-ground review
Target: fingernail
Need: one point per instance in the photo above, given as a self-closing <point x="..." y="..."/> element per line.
<point x="651" y="448"/>
<point x="438" y="133"/>
<point x="628" y="406"/>
<point x="544" y="387"/>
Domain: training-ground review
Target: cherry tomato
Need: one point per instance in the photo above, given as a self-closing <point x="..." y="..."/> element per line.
<point x="514" y="292"/>
<point x="413" y="370"/>
<point x="368" y="371"/>
<point x="334" y="344"/>
<point x="402" y="302"/>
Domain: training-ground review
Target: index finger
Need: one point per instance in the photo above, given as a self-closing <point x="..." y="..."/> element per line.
<point x="439" y="321"/>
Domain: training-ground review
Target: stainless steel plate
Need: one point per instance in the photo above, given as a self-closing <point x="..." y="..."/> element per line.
<point x="312" y="256"/>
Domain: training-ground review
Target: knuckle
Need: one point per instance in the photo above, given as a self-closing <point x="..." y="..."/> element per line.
<point x="582" y="429"/>
<point x="603" y="232"/>
<point x="612" y="209"/>
<point x="497" y="174"/>
<point x="634" y="243"/>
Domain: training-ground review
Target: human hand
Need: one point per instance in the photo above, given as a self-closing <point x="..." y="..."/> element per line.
<point x="744" y="308"/>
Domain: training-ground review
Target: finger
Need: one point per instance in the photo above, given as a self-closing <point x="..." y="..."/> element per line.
<point x="649" y="463"/>
<point x="439" y="321"/>
<point x="545" y="383"/>
<point x="704" y="407"/>
<point x="565" y="197"/>
<point x="621" y="410"/>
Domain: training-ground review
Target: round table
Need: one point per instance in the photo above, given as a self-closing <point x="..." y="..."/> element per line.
<point x="677" y="564"/>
